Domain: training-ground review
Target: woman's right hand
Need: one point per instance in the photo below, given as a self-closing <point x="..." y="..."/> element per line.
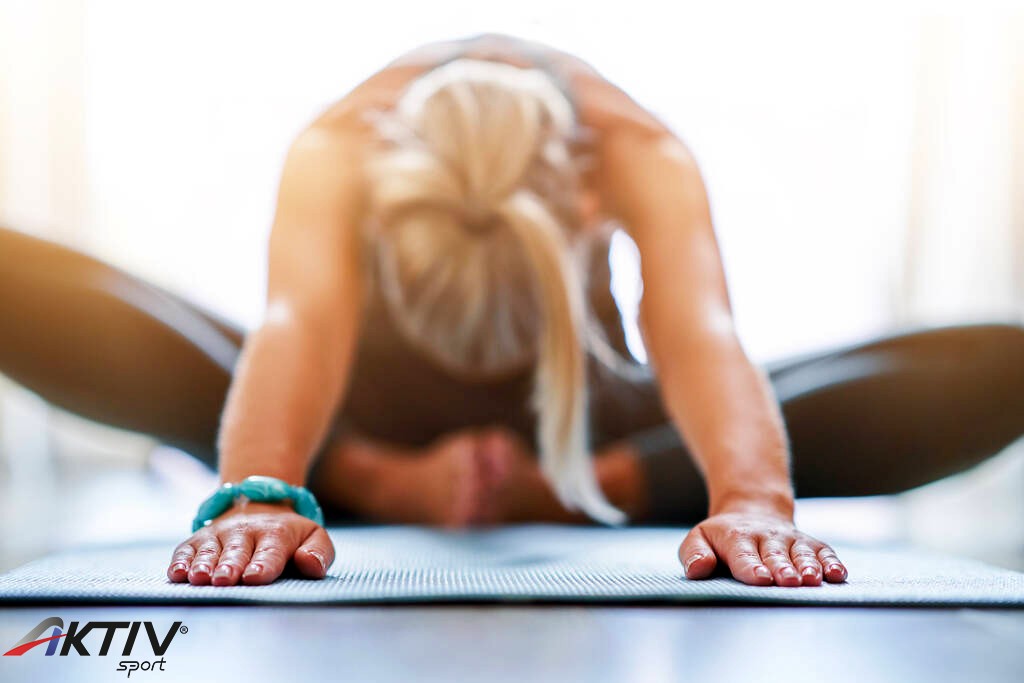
<point x="252" y="544"/>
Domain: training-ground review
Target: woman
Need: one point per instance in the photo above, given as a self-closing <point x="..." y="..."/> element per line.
<point x="438" y="313"/>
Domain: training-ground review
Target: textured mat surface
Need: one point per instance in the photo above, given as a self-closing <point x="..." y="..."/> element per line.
<point x="536" y="563"/>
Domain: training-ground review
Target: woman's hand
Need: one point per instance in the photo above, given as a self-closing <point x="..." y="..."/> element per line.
<point x="759" y="549"/>
<point x="252" y="544"/>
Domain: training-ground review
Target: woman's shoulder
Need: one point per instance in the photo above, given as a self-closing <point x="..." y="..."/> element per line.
<point x="354" y="112"/>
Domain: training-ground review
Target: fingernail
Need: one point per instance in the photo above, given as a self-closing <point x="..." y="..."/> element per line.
<point x="689" y="562"/>
<point x="178" y="567"/>
<point x="200" y="569"/>
<point x="836" y="569"/>
<point x="809" y="571"/>
<point x="762" y="572"/>
<point x="222" y="572"/>
<point x="252" y="569"/>
<point x="788" y="572"/>
<point x="320" y="559"/>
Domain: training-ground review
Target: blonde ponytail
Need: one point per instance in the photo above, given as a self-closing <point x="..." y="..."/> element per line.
<point x="474" y="258"/>
<point x="560" y="395"/>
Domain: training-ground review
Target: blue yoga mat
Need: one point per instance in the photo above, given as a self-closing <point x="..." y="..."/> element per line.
<point x="512" y="564"/>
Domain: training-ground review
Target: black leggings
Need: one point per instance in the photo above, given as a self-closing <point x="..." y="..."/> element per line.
<point x="874" y="418"/>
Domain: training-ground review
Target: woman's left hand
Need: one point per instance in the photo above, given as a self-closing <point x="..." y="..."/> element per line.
<point x="759" y="549"/>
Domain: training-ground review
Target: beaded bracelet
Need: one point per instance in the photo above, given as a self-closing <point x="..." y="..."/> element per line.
<point x="259" y="490"/>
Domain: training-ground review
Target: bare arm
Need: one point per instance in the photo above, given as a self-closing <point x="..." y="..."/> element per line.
<point x="720" y="402"/>
<point x="293" y="368"/>
<point x="291" y="374"/>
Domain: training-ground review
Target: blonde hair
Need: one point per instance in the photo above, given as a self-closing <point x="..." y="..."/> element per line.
<point x="471" y="211"/>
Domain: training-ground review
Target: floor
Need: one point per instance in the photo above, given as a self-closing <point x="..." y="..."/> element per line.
<point x="593" y="644"/>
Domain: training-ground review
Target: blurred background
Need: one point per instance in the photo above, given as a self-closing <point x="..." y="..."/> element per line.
<point x="865" y="165"/>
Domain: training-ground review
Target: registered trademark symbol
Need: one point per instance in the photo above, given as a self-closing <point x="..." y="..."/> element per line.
<point x="183" y="629"/>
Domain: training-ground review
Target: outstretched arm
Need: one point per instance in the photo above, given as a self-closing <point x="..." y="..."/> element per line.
<point x="720" y="402"/>
<point x="291" y="373"/>
<point x="292" y="370"/>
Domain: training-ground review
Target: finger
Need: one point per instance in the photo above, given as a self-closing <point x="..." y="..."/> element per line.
<point x="775" y="554"/>
<point x="835" y="571"/>
<point x="315" y="554"/>
<point x="806" y="562"/>
<point x="269" y="559"/>
<point x="745" y="561"/>
<point x="234" y="555"/>
<point x="697" y="556"/>
<point x="201" y="569"/>
<point x="177" y="571"/>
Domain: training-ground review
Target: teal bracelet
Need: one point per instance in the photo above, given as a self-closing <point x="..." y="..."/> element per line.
<point x="258" y="490"/>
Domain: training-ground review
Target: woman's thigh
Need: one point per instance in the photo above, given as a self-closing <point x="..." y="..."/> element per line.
<point x="865" y="419"/>
<point x="108" y="346"/>
<point x="902" y="411"/>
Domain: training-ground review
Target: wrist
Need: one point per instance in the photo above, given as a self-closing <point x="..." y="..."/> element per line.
<point x="776" y="502"/>
<point x="287" y="475"/>
<point x="257" y="489"/>
<point x="239" y="460"/>
<point x="244" y="506"/>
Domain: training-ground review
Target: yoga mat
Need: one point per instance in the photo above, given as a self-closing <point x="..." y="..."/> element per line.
<point x="512" y="564"/>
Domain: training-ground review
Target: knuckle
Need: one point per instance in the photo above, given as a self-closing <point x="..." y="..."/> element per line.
<point x="272" y="551"/>
<point x="184" y="549"/>
<point x="228" y="527"/>
<point x="746" y="556"/>
<point x="224" y="525"/>
<point x="198" y="538"/>
<point x="274" y="527"/>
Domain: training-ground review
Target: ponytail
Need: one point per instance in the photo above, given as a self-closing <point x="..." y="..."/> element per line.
<point x="560" y="394"/>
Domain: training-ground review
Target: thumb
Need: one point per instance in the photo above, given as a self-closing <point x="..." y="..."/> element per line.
<point x="697" y="556"/>
<point x="315" y="555"/>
